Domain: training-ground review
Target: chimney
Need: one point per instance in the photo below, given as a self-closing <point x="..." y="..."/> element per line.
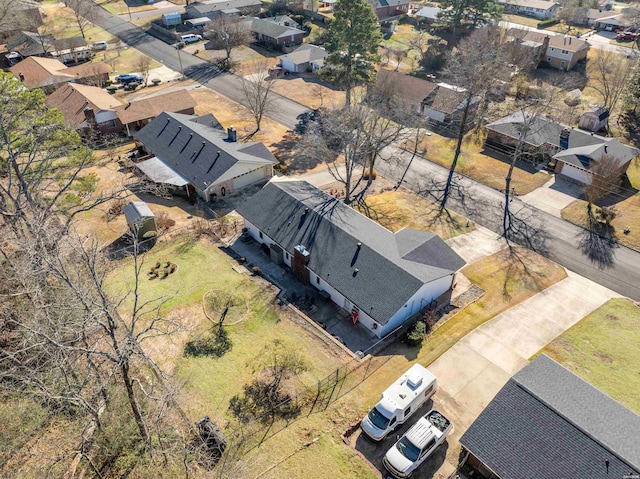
<point x="21" y="76"/>
<point x="232" y="134"/>
<point x="564" y="138"/>
<point x="89" y="115"/>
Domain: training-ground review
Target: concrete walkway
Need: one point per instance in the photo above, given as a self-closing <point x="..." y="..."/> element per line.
<point x="476" y="367"/>
<point x="553" y="196"/>
<point x="476" y="245"/>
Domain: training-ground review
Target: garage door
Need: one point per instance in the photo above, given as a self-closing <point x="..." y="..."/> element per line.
<point x="576" y="173"/>
<point x="250" y="178"/>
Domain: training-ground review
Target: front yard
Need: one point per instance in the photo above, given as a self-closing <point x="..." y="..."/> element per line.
<point x="404" y="209"/>
<point x="628" y="210"/>
<point x="475" y="162"/>
<point x="602" y="350"/>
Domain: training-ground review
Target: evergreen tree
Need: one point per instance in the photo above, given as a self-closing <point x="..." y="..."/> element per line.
<point x="354" y="36"/>
<point x="455" y="11"/>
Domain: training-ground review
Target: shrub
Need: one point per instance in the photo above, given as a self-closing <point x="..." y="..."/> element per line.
<point x="367" y="174"/>
<point x="116" y="207"/>
<point x="156" y="81"/>
<point x="164" y="222"/>
<point x="112" y="89"/>
<point x="256" y="271"/>
<point x="416" y="334"/>
<point x="547" y="23"/>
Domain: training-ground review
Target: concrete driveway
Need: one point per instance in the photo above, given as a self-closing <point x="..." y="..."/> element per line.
<point x="476" y="245"/>
<point x="553" y="196"/>
<point x="475" y="369"/>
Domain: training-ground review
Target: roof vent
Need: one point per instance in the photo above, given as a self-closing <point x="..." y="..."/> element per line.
<point x="414" y="381"/>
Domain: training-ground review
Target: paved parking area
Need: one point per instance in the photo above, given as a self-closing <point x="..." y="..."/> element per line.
<point x="553" y="196"/>
<point x="475" y="369"/>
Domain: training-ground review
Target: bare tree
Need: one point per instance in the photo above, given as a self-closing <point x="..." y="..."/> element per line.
<point x="419" y="43"/>
<point x="609" y="74"/>
<point x="143" y="65"/>
<point x="227" y="33"/>
<point x="359" y="133"/>
<point x="256" y="89"/>
<point x="398" y="54"/>
<point x="606" y="178"/>
<point x="82" y="12"/>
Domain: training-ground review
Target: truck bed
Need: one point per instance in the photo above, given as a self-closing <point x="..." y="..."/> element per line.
<point x="438" y="420"/>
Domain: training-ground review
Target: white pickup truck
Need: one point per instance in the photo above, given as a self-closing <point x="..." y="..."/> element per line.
<point x="417" y="444"/>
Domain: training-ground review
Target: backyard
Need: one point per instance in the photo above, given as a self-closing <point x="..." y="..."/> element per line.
<point x="601" y="349"/>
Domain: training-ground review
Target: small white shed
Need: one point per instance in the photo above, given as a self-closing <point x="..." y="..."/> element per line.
<point x="198" y="22"/>
<point x="171" y="19"/>
<point x="594" y="119"/>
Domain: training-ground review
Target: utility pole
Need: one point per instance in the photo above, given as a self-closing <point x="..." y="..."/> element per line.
<point x="178" y="47"/>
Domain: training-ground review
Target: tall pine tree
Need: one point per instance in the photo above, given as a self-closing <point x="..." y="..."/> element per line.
<point x="354" y="37"/>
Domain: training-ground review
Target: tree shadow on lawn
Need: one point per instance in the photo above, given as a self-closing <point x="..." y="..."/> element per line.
<point x="287" y="153"/>
<point x="124" y="247"/>
<point x="520" y="165"/>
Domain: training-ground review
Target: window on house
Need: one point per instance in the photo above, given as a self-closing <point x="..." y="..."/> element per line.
<point x="110" y="124"/>
<point x="318" y="279"/>
<point x="553" y="49"/>
<point x="260" y="234"/>
<point x="286" y="255"/>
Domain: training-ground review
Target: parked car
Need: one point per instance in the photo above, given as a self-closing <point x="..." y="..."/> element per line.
<point x="127" y="78"/>
<point x="99" y="46"/>
<point x="625" y="36"/>
<point x="190" y="38"/>
<point x="399" y="402"/>
<point x="277" y="71"/>
<point x="417" y="444"/>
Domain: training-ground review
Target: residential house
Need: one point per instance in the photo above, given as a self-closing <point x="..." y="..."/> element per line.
<point x="136" y="114"/>
<point x="595" y="119"/>
<point x="87" y="109"/>
<point x="615" y="21"/>
<point x="19" y="15"/>
<point x="540" y="9"/>
<point x="49" y="73"/>
<point x="284" y="20"/>
<point x="305" y="58"/>
<point x="28" y="44"/>
<point x="548" y="423"/>
<point x="267" y="31"/>
<point x="379" y="277"/>
<point x="140" y="219"/>
<point x="428" y="15"/>
<point x="217" y="8"/>
<point x="574" y="151"/>
<point x="560" y="51"/>
<point x="440" y="102"/>
<point x="196" y="155"/>
<point x="389" y="9"/>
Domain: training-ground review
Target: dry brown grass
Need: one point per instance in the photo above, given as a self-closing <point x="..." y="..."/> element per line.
<point x="403" y="209"/>
<point x="306" y="90"/>
<point x="231" y="113"/>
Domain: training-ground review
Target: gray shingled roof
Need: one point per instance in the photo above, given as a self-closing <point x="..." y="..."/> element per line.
<point x="547" y="423"/>
<point x="391" y="267"/>
<point x="306" y="53"/>
<point x="266" y="27"/>
<point x="196" y="147"/>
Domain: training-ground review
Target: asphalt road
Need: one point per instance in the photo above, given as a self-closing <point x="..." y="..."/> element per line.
<point x="615" y="267"/>
<point x="283" y="110"/>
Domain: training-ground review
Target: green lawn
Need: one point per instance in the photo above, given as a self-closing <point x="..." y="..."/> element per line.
<point x="602" y="349"/>
<point x="202" y="266"/>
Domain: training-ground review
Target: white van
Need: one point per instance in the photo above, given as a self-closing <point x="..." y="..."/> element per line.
<point x="399" y="402"/>
<point x="190" y="38"/>
<point x="417" y="445"/>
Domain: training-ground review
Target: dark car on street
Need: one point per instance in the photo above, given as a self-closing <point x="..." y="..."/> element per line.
<point x="127" y="78"/>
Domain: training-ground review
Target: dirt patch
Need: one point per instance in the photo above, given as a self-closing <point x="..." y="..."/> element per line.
<point x="603" y="357"/>
<point x="612" y="317"/>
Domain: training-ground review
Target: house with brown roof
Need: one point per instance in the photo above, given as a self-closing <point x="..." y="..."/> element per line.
<point x="560" y="51"/>
<point x="86" y="108"/>
<point x="389" y="9"/>
<point x="49" y="73"/>
<point x="440" y="102"/>
<point x="136" y="114"/>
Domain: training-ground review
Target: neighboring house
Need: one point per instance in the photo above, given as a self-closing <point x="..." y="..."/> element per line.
<point x="284" y="20"/>
<point x="29" y="44"/>
<point x="385" y="278"/>
<point x="440" y="102"/>
<point x="305" y="58"/>
<point x="540" y="9"/>
<point x="49" y="73"/>
<point x="214" y="9"/>
<point x="428" y="15"/>
<point x="574" y="150"/>
<point x="595" y="119"/>
<point x="266" y="31"/>
<point x="592" y="15"/>
<point x="136" y="114"/>
<point x="548" y="423"/>
<point x="140" y="219"/>
<point x="389" y="9"/>
<point x="560" y="51"/>
<point x="86" y="108"/>
<point x="614" y="22"/>
<point x="19" y="15"/>
<point x="198" y="156"/>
